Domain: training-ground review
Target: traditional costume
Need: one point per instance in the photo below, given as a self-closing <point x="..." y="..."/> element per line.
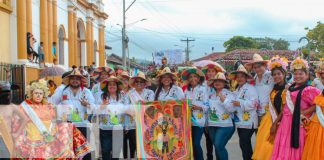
<point x="42" y="137"/>
<point x="220" y="123"/>
<point x="197" y="96"/>
<point x="70" y="109"/>
<point x="291" y="134"/>
<point x="210" y="90"/>
<point x="263" y="86"/>
<point x="263" y="147"/>
<point x="111" y="120"/>
<point x="315" y="135"/>
<point x="245" y="117"/>
<point x="132" y="98"/>
<point x="96" y="90"/>
<point x="174" y="93"/>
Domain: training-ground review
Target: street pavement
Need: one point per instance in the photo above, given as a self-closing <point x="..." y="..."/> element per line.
<point x="233" y="147"/>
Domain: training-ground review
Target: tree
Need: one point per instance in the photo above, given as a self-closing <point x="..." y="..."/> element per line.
<point x="264" y="43"/>
<point x="239" y="42"/>
<point x="280" y="44"/>
<point x="272" y="44"/>
<point x="316" y="38"/>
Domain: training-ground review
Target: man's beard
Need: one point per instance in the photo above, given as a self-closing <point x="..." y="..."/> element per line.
<point x="74" y="86"/>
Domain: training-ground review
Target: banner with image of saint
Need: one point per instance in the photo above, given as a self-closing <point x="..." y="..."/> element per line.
<point x="163" y="130"/>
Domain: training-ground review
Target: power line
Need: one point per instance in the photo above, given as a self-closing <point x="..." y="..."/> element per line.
<point x="187" y="48"/>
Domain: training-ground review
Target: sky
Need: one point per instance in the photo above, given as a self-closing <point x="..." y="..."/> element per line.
<point x="209" y="22"/>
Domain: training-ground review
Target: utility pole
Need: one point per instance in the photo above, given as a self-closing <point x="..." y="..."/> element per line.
<point x="187" y="48"/>
<point x="124" y="36"/>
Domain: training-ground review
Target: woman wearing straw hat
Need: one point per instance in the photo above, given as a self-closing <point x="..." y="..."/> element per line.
<point x="196" y="93"/>
<point x="110" y="118"/>
<point x="210" y="71"/>
<point x="124" y="78"/>
<point x="99" y="75"/>
<point x="245" y="104"/>
<point x="264" y="142"/>
<point x="220" y="124"/>
<point x="299" y="107"/>
<point x="263" y="82"/>
<point x="129" y="132"/>
<point x="139" y="92"/>
<point x="319" y="81"/>
<point x="168" y="90"/>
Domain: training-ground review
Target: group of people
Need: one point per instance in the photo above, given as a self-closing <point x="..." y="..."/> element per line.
<point x="287" y="117"/>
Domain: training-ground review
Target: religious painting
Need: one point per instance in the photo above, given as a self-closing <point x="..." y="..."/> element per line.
<point x="164" y="130"/>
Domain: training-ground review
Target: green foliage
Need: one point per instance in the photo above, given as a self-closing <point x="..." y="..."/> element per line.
<point x="280" y="44"/>
<point x="240" y="42"/>
<point x="316" y="38"/>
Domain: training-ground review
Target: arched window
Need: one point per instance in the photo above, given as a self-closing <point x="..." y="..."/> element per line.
<point x="81" y="44"/>
<point x="95" y="56"/>
<point x="61" y="39"/>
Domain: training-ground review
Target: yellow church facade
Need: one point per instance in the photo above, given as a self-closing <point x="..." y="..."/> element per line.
<point x="72" y="32"/>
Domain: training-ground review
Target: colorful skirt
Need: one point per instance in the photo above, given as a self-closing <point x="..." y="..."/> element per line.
<point x="263" y="148"/>
<point x="282" y="149"/>
<point x="62" y="146"/>
<point x="314" y="146"/>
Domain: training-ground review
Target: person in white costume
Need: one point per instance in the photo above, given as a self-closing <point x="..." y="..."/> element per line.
<point x="75" y="102"/>
<point x="245" y="103"/>
<point x="167" y="89"/>
<point x="198" y="97"/>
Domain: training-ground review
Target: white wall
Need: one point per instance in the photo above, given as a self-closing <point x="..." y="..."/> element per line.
<point x="36" y="22"/>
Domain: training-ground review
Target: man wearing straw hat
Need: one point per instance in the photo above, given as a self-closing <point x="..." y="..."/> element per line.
<point x="263" y="82"/>
<point x="76" y="101"/>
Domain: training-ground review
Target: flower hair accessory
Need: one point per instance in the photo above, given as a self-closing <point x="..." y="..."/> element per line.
<point x="299" y="63"/>
<point x="278" y="62"/>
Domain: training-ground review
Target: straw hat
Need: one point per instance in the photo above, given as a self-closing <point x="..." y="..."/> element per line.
<point x="124" y="74"/>
<point x="99" y="70"/>
<point x="218" y="76"/>
<point x="185" y="73"/>
<point x="140" y="75"/>
<point x="278" y="62"/>
<point x="75" y="73"/>
<point x="216" y="66"/>
<point x="299" y="63"/>
<point x="256" y="59"/>
<point x="166" y="71"/>
<point x="240" y="69"/>
<point x="110" y="79"/>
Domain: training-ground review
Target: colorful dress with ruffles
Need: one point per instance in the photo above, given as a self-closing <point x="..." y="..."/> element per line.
<point x="314" y="145"/>
<point x="263" y="147"/>
<point x="282" y="149"/>
<point x="67" y="142"/>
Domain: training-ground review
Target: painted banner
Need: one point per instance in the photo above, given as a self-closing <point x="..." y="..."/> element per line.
<point x="163" y="130"/>
<point x="175" y="56"/>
